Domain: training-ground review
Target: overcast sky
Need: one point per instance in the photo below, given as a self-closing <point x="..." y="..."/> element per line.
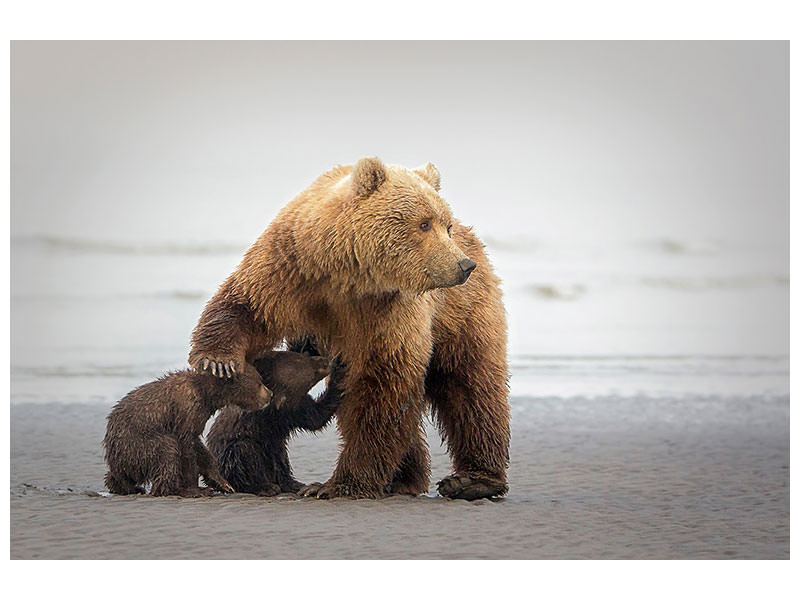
<point x="206" y="141"/>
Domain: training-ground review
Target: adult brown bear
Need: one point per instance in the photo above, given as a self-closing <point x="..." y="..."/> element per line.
<point x="370" y="264"/>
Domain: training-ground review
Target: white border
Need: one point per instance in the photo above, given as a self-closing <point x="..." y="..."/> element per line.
<point x="402" y="19"/>
<point x="410" y="19"/>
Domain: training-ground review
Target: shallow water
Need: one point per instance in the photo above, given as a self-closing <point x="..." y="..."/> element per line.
<point x="92" y="319"/>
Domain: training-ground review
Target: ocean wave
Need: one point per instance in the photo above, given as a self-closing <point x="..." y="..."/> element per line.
<point x="49" y="243"/>
<point x="65" y="371"/>
<point x="187" y="295"/>
<point x="686" y="247"/>
<point x="666" y="245"/>
<point x="551" y="291"/>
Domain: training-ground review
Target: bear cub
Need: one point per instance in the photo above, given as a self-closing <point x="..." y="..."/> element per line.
<point x="250" y="447"/>
<point x="153" y="433"/>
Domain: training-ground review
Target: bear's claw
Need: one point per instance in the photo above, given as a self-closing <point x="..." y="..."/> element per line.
<point x="329" y="490"/>
<point x="218" y="368"/>
<point x="323" y="491"/>
<point x="226" y="488"/>
<point x="471" y="487"/>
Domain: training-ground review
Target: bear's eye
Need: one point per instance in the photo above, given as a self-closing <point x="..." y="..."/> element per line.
<point x="425" y="226"/>
<point x="450" y="230"/>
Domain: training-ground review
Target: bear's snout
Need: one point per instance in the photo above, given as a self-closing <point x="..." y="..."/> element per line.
<point x="447" y="270"/>
<point x="467" y="265"/>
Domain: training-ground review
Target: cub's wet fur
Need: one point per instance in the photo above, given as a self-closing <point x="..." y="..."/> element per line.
<point x="153" y="433"/>
<point x="250" y="447"/>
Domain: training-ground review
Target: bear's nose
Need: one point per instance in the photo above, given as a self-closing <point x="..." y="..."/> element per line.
<point x="467" y="265"/>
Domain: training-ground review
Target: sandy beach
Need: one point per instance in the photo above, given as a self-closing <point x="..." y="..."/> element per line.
<point x="600" y="478"/>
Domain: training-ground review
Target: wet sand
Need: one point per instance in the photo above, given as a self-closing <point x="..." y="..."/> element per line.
<point x="646" y="478"/>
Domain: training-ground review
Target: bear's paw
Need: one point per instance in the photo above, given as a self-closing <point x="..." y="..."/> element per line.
<point x="226" y="367"/>
<point x="471" y="487"/>
<point x="329" y="490"/>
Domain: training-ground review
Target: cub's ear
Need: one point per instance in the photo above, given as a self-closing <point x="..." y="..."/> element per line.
<point x="368" y="175"/>
<point x="430" y="174"/>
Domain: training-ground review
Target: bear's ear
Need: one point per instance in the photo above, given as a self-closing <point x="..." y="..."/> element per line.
<point x="430" y="174"/>
<point x="368" y="175"/>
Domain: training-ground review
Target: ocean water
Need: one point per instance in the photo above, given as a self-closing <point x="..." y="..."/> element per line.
<point x="657" y="318"/>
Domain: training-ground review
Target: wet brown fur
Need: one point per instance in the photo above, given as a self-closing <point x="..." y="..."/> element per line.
<point x="347" y="263"/>
<point x="251" y="447"/>
<point x="153" y="433"/>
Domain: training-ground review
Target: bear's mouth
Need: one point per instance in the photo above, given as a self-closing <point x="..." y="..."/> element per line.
<point x="264" y="397"/>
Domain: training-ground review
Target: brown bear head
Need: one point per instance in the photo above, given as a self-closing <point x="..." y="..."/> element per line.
<point x="399" y="228"/>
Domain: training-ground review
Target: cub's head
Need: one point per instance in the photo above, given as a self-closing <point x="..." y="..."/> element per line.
<point x="291" y="375"/>
<point x="249" y="392"/>
<point x="400" y="228"/>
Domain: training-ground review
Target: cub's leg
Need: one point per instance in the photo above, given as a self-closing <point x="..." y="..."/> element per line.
<point x="283" y="469"/>
<point x="246" y="468"/>
<point x="164" y="454"/>
<point x="207" y="465"/>
<point x="190" y="471"/>
<point x="121" y="484"/>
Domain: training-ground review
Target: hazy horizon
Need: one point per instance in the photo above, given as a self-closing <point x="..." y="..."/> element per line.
<point x="581" y="140"/>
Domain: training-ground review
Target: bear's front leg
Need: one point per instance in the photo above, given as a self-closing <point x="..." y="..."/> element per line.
<point x="413" y="476"/>
<point x="224" y="335"/>
<point x="379" y="420"/>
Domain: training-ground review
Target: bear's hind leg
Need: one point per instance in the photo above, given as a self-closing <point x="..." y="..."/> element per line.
<point x="165" y="454"/>
<point x="122" y="485"/>
<point x="244" y="466"/>
<point x="190" y="470"/>
<point x="283" y="471"/>
<point x="469" y="397"/>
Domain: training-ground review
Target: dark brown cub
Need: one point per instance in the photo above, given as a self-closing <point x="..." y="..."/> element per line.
<point x="153" y="433"/>
<point x="250" y="447"/>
